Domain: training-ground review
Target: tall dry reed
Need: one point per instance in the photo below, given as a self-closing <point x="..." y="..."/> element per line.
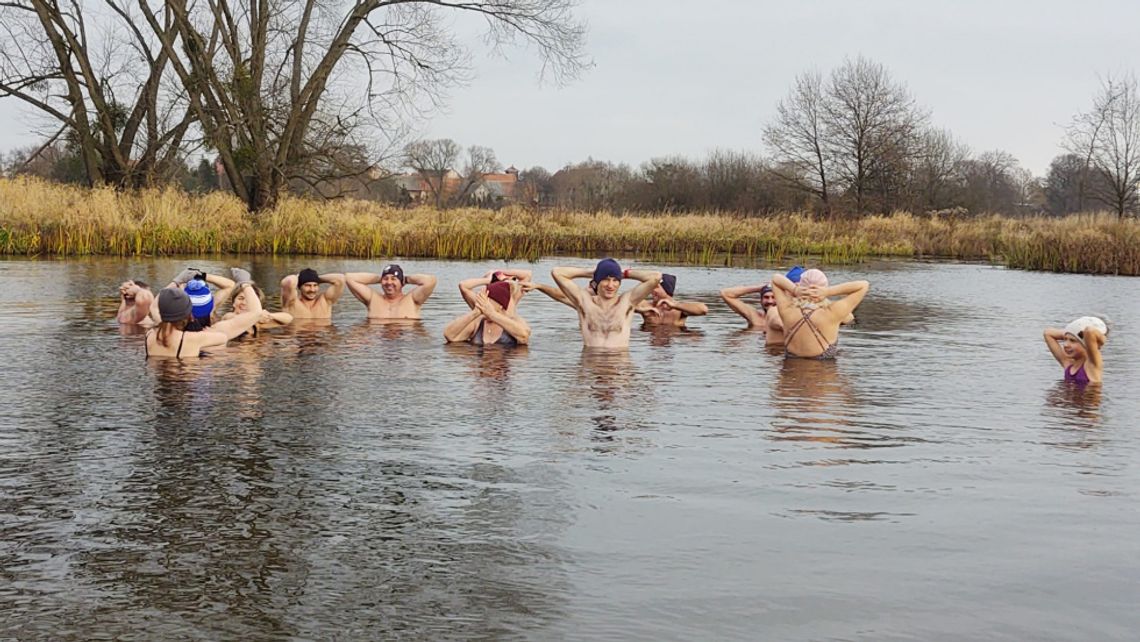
<point x="37" y="217"/>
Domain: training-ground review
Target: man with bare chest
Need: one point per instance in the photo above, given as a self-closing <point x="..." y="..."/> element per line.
<point x="605" y="317"/>
<point x="301" y="294"/>
<point x="391" y="302"/>
<point x="666" y="311"/>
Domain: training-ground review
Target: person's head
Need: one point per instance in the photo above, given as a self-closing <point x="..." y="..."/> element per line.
<point x="174" y="310"/>
<point x="812" y="278"/>
<point x="392" y="279"/>
<point x="666" y="287"/>
<point x="499" y="275"/>
<point x="500" y="292"/>
<point x="309" y="284"/>
<point x="607" y="276"/>
<point x="241" y="302"/>
<point x="1075" y="346"/>
<point x="130" y="289"/>
<point x="201" y="299"/>
<point x="767" y="297"/>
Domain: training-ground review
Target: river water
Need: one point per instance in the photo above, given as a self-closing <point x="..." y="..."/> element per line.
<point x="361" y="481"/>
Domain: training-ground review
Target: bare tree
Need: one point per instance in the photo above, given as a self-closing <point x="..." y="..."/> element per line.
<point x="871" y="125"/>
<point x="274" y="87"/>
<point x="480" y="160"/>
<point x="796" y="138"/>
<point x="1108" y="135"/>
<point x="433" y="160"/>
<point x="939" y="159"/>
<point x="101" y="81"/>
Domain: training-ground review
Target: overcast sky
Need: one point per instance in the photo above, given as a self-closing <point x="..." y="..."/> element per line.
<point x="673" y="77"/>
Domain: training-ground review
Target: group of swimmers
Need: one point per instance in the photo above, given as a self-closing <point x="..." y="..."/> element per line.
<point x="799" y="311"/>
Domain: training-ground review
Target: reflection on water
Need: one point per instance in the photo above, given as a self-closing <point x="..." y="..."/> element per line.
<point x="361" y="480"/>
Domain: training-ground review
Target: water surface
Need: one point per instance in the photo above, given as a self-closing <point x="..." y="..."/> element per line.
<point x="363" y="480"/>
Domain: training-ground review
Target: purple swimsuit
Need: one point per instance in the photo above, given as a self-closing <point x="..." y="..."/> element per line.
<point x="1077" y="377"/>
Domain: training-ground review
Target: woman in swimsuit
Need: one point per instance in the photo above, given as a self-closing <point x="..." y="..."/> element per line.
<point x="1077" y="348"/>
<point x="810" y="319"/>
<point x="172" y="339"/>
<point x="266" y="320"/>
<point x="493" y="320"/>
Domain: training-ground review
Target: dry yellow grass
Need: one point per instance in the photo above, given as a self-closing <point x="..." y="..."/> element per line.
<point x="37" y="217"/>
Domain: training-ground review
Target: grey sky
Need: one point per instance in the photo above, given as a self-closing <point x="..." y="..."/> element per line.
<point x="687" y="77"/>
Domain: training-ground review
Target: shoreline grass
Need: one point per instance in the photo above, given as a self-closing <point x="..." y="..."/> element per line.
<point x="42" y="218"/>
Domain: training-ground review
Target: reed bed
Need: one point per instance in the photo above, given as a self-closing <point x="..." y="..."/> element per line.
<point x="42" y="218"/>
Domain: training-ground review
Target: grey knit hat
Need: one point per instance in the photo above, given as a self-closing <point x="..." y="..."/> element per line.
<point x="174" y="305"/>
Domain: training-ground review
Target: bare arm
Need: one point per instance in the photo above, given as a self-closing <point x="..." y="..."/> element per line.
<point x="852" y="293"/>
<point x="336" y="286"/>
<point x="467" y="288"/>
<point x="522" y="275"/>
<point x="225" y="287"/>
<point x="514" y="326"/>
<point x="280" y="318"/>
<point x="425" y="285"/>
<point x="463" y="327"/>
<point x="1093" y="341"/>
<point x="549" y="291"/>
<point x="564" y="278"/>
<point x="689" y="309"/>
<point x="649" y="281"/>
<point x="1053" y="337"/>
<point x="239" y="323"/>
<point x="732" y="296"/>
<point x="367" y="278"/>
<point x="288" y="290"/>
<point x="359" y="287"/>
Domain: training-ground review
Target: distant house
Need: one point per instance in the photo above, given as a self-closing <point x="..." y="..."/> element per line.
<point x="490" y="188"/>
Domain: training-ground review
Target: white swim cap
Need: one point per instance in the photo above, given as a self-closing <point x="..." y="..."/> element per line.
<point x="1077" y="326"/>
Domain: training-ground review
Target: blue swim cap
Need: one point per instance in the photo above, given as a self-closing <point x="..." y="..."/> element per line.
<point x="200" y="298"/>
<point x="795" y="273"/>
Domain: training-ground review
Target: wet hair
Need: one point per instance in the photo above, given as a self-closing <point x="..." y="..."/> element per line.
<point x="167" y="328"/>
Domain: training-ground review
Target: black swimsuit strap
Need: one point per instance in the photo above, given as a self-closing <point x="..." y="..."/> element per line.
<point x="178" y="353"/>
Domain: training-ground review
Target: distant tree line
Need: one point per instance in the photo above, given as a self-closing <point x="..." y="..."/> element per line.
<point x="848" y="142"/>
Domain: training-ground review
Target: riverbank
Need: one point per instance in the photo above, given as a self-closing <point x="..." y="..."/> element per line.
<point x="41" y="218"/>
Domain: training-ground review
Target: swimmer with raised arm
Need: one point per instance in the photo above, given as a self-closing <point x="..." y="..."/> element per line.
<point x="664" y="310"/>
<point x="757" y="318"/>
<point x="1077" y="347"/>
<point x="811" y="320"/>
<point x="135" y="300"/>
<point x="493" y="319"/>
<point x="467" y="287"/>
<point x="241" y="304"/>
<point x="301" y="294"/>
<point x="605" y="317"/>
<point x="392" y="302"/>
<point x="172" y="338"/>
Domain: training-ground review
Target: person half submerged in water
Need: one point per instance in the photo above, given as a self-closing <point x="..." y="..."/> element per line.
<point x="493" y="319"/>
<point x="810" y="319"/>
<point x="173" y="338"/>
<point x="605" y="318"/>
<point x="135" y="300"/>
<point x="664" y="310"/>
<point x="241" y="305"/>
<point x="1077" y="348"/>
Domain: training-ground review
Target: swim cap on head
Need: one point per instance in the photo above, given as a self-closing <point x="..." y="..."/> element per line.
<point x="394" y="270"/>
<point x="669" y="283"/>
<point x="607" y="268"/>
<point x="308" y="275"/>
<point x="500" y="292"/>
<point x="814" y="277"/>
<point x="795" y="273"/>
<point x="765" y="289"/>
<point x="200" y="298"/>
<point x="173" y="305"/>
<point x="1077" y="326"/>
